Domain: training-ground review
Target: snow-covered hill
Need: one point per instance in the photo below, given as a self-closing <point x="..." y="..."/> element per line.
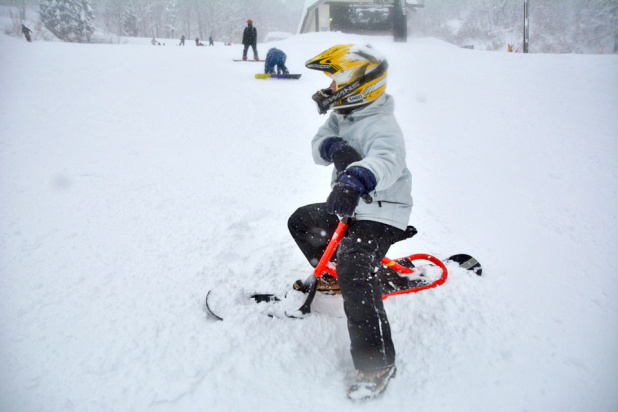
<point x="135" y="178"/>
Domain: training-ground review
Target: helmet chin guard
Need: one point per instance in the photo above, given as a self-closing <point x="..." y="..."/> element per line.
<point x="321" y="98"/>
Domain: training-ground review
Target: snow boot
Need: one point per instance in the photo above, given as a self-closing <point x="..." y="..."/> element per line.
<point x="368" y="385"/>
<point x="257" y="58"/>
<point x="244" y="57"/>
<point x="328" y="284"/>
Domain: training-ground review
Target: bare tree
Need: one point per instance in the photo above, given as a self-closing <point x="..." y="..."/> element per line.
<point x="565" y="26"/>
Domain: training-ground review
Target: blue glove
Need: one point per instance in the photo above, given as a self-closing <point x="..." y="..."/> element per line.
<point x="338" y="151"/>
<point x="346" y="194"/>
<point x="343" y="200"/>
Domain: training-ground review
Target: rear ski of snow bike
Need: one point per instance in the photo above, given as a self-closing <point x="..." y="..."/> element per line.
<point x="402" y="266"/>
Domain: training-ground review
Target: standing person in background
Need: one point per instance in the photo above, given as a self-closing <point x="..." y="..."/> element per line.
<point x="182" y="40"/>
<point x="211" y="41"/>
<point x="26" y="32"/>
<point x="249" y="38"/>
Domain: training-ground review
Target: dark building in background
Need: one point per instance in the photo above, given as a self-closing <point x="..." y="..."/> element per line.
<point x="373" y="17"/>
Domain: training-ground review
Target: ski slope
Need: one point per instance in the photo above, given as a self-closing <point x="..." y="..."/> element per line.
<point x="134" y="178"/>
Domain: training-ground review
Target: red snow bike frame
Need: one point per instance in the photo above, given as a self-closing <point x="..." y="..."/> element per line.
<point x="325" y="266"/>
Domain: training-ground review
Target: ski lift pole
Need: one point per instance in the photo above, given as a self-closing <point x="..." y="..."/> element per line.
<point x="526" y="27"/>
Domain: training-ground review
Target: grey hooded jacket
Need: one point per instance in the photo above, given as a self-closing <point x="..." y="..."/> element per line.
<point x="374" y="133"/>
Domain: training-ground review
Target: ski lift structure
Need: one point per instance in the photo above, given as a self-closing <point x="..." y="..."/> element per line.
<point x="368" y="17"/>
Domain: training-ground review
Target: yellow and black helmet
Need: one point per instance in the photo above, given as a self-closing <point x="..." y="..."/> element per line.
<point x="359" y="73"/>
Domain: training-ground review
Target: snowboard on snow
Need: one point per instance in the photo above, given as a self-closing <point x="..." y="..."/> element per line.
<point x="249" y="60"/>
<point x="278" y="76"/>
<point x="222" y="301"/>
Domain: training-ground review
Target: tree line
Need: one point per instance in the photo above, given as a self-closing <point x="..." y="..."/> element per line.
<point x="224" y="20"/>
<point x="556" y="26"/>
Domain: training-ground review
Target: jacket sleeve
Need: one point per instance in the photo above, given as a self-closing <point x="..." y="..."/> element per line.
<point x="328" y="129"/>
<point x="384" y="152"/>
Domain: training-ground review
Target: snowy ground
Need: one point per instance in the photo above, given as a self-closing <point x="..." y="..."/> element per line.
<point x="135" y="178"/>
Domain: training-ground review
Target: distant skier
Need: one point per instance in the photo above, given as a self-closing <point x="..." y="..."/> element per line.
<point x="26" y="32"/>
<point x="249" y="38"/>
<point x="275" y="58"/>
<point x="211" y="41"/>
<point x="182" y="40"/>
<point x="362" y="139"/>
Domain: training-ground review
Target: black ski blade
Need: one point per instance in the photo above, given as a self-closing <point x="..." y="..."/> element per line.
<point x="211" y="302"/>
<point x="264" y="297"/>
<point x="467" y="262"/>
<point x="209" y="309"/>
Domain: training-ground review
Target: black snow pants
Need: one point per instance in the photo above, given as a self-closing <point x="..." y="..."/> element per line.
<point x="246" y="48"/>
<point x="359" y="253"/>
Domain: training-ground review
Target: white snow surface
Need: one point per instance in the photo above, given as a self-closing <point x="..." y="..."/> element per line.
<point x="135" y="178"/>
